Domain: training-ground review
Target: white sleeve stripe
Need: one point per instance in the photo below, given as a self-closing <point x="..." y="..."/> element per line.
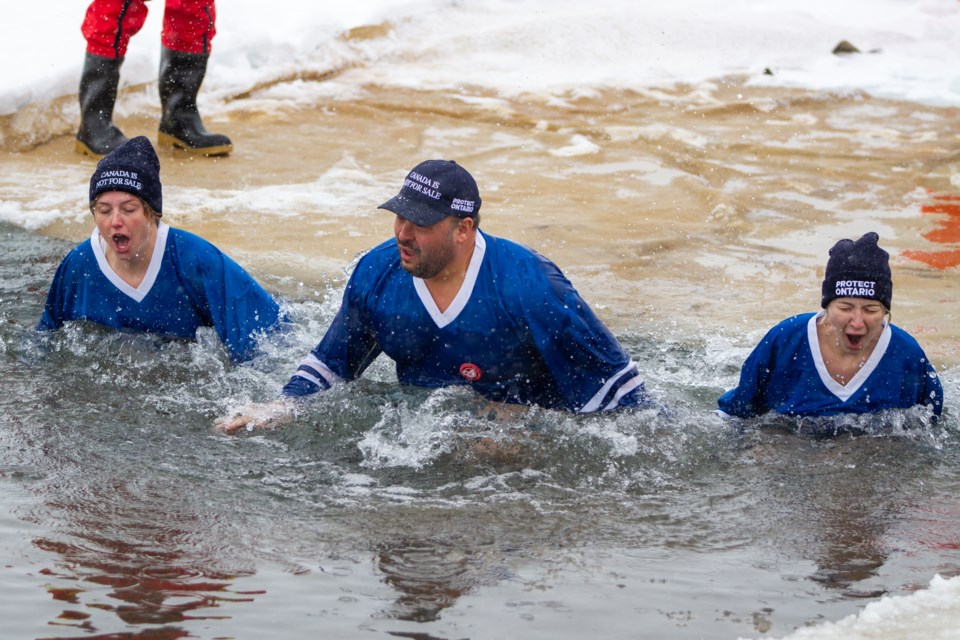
<point x="316" y="372"/>
<point x="594" y="403"/>
<point x="624" y="390"/>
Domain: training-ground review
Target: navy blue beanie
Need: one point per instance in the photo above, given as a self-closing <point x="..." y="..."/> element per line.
<point x="858" y="269"/>
<point x="134" y="168"/>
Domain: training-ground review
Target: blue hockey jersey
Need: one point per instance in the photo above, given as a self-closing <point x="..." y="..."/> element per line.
<point x="786" y="373"/>
<point x="517" y="332"/>
<point x="189" y="284"/>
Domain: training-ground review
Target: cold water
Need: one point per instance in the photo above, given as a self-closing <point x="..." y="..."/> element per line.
<point x="389" y="511"/>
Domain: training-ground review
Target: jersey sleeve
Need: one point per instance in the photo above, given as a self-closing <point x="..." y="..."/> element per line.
<point x="60" y="296"/>
<point x="748" y="398"/>
<point x="348" y="347"/>
<point x="931" y="391"/>
<point x="52" y="317"/>
<point x="587" y="362"/>
<point x="239" y="309"/>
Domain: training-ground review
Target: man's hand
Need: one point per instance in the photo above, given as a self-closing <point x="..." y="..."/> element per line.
<point x="257" y="416"/>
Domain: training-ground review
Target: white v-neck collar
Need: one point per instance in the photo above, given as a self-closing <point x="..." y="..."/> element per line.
<point x="843" y="392"/>
<point x="463" y="296"/>
<point x="138" y="293"/>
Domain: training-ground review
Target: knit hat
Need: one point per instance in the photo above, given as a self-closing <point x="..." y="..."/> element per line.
<point x="434" y="190"/>
<point x="134" y="168"/>
<point x="858" y="269"/>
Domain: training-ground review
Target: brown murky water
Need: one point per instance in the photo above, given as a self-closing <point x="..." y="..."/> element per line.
<point x="681" y="206"/>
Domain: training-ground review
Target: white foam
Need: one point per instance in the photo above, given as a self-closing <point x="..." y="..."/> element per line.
<point x="344" y="190"/>
<point x="931" y="614"/>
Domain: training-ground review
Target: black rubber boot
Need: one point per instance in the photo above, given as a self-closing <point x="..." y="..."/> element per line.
<point x="97" y="135"/>
<point x="180" y="77"/>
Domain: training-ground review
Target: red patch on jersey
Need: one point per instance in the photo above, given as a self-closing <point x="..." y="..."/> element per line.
<point x="470" y="371"/>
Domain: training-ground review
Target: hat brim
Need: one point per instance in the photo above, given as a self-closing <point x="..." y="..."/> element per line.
<point x="416" y="212"/>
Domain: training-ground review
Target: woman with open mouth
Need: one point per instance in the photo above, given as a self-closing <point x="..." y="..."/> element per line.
<point x="137" y="273"/>
<point x="848" y="358"/>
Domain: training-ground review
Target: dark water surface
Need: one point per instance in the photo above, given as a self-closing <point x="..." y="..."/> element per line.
<point x="389" y="512"/>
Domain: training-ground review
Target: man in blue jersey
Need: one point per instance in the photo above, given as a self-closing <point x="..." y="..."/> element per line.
<point x="846" y="359"/>
<point x="136" y="273"/>
<point x="452" y="305"/>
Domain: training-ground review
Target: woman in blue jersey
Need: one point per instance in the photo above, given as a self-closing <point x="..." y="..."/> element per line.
<point x="845" y="359"/>
<point x="136" y="273"/>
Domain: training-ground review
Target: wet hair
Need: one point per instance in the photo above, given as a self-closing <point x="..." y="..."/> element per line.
<point x="475" y="218"/>
<point x="153" y="215"/>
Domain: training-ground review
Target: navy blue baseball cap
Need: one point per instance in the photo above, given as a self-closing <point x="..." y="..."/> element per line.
<point x="433" y="191"/>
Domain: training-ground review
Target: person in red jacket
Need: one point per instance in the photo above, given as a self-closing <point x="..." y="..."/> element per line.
<point x="188" y="29"/>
